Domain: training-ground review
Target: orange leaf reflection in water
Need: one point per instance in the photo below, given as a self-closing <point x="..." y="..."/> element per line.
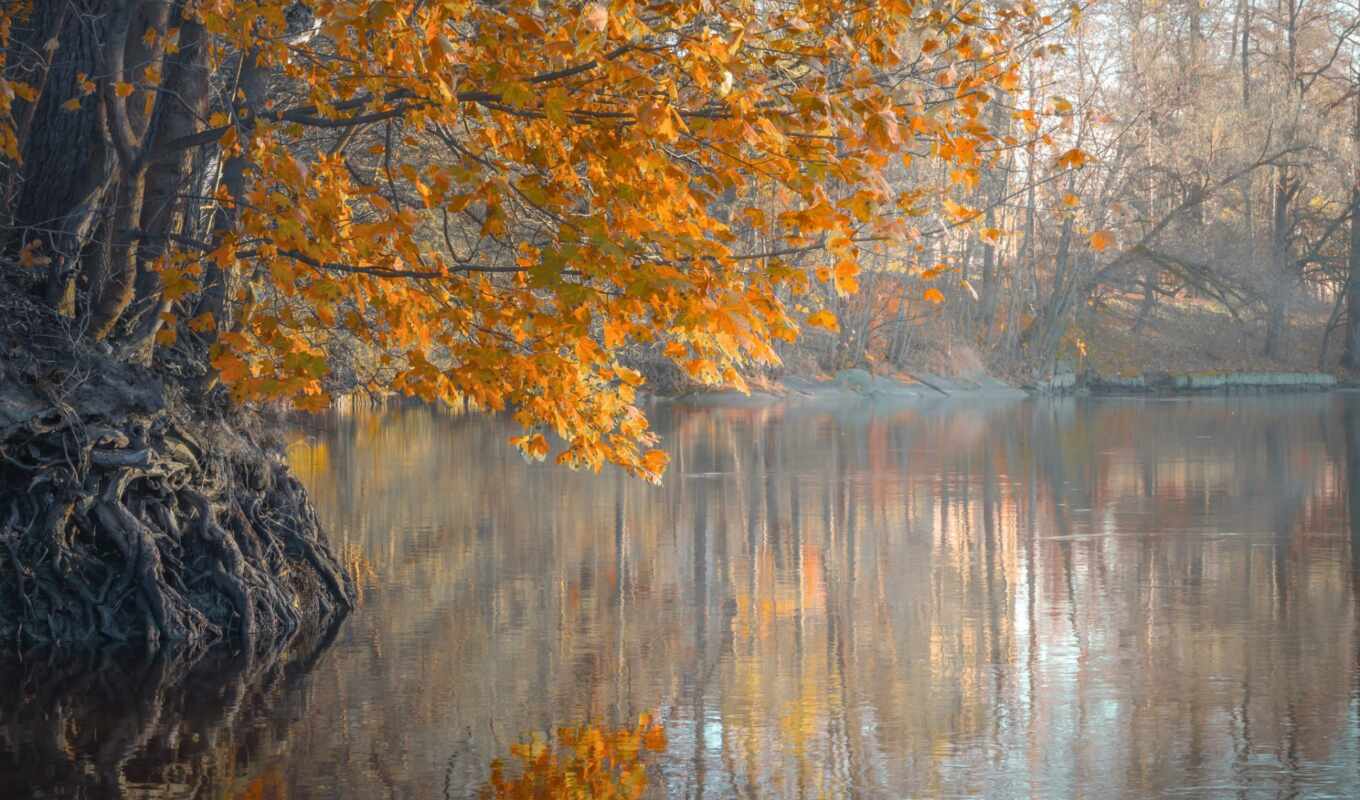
<point x="580" y="763"/>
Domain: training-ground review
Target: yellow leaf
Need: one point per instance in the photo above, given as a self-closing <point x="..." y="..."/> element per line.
<point x="654" y="463"/>
<point x="535" y="446"/>
<point x="958" y="211"/>
<point x="845" y="276"/>
<point x="71" y="105"/>
<point x="824" y="319"/>
<point x="122" y="89"/>
<point x="24" y="91"/>
<point x="1070" y="200"/>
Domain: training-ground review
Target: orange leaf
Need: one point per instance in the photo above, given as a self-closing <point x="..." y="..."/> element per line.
<point x="845" y="276"/>
<point x="1101" y="240"/>
<point x="958" y="211"/>
<point x="1073" y="159"/>
<point x="230" y="368"/>
<point x="202" y="322"/>
<point x="824" y="319"/>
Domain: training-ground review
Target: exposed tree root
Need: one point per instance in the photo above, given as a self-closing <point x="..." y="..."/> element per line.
<point x="127" y="513"/>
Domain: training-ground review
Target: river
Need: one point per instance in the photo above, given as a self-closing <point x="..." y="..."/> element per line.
<point x="1014" y="599"/>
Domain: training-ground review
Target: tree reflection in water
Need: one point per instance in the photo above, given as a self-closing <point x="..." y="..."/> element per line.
<point x="122" y="722"/>
<point x="1132" y="598"/>
<point x="584" y="762"/>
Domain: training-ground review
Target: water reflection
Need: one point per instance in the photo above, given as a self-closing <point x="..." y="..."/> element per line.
<point x="1056" y="599"/>
<point x="581" y="762"/>
<point x="120" y="722"/>
<point x="1050" y="599"/>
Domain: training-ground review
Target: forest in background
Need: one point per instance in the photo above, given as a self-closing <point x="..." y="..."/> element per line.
<point x="1224" y="144"/>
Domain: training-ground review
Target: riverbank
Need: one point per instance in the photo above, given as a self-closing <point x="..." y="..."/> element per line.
<point x="857" y="384"/>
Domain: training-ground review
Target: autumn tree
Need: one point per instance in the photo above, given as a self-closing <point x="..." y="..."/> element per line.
<point x="1219" y="141"/>
<point x="213" y="205"/>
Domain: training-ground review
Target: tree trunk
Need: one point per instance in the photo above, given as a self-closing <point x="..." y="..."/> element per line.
<point x="989" y="288"/>
<point x="1281" y="283"/>
<point x="163" y="212"/>
<point x="134" y="503"/>
<point x="1149" y="303"/>
<point x="1351" y="355"/>
<point x="61" y="211"/>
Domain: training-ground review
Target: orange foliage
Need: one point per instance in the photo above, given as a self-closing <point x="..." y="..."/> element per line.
<point x="557" y="181"/>
<point x="586" y="763"/>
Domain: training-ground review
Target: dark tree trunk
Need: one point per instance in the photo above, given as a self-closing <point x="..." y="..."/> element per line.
<point x="1148" y="304"/>
<point x="62" y="191"/>
<point x="134" y="502"/>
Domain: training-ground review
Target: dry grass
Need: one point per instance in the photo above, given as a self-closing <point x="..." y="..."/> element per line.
<point x="1194" y="336"/>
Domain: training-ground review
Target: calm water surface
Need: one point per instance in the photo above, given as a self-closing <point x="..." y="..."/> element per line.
<point x="1030" y="599"/>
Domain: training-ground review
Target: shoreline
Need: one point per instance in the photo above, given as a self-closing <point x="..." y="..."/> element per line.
<point x="859" y="385"/>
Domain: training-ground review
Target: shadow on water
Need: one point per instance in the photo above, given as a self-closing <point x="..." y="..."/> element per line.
<point x="121" y="722"/>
